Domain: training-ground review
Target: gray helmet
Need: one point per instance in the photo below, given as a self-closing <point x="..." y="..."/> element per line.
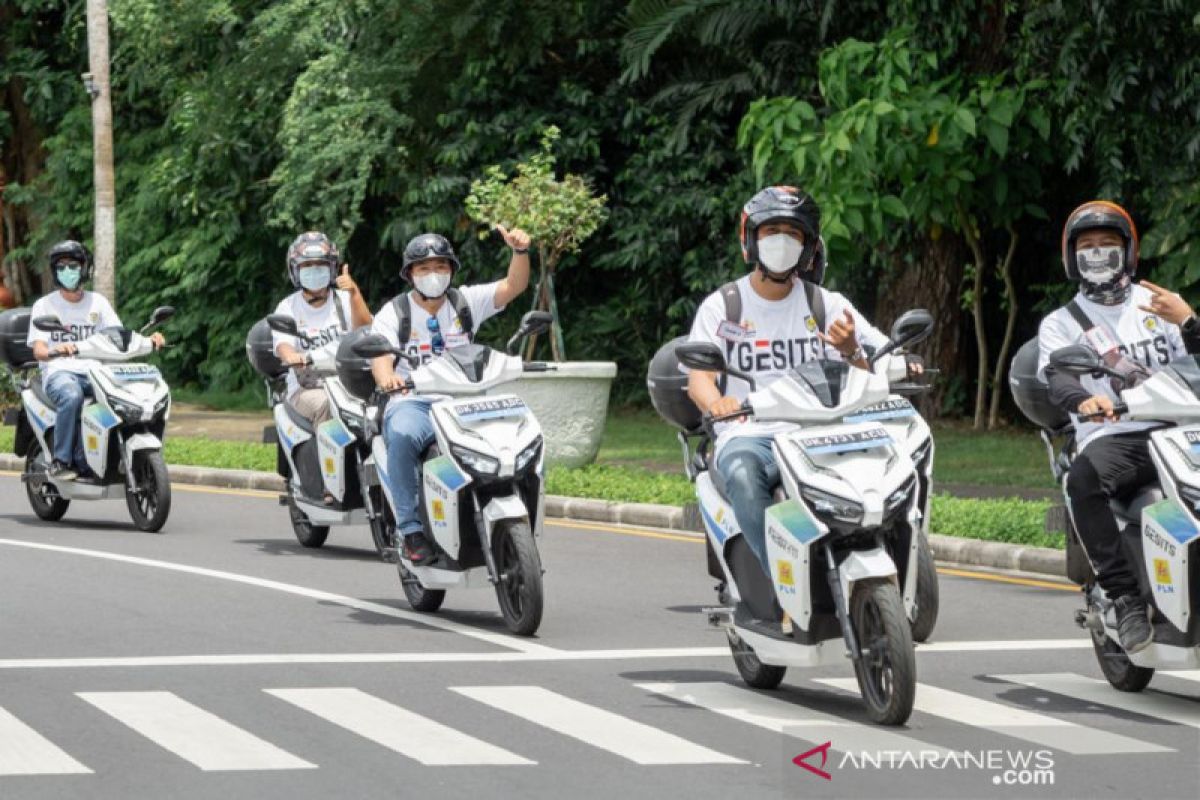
<point x="424" y="247"/>
<point x="784" y="204"/>
<point x="312" y="246"/>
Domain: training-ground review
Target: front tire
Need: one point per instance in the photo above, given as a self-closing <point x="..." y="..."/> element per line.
<point x="44" y="498"/>
<point x="420" y="598"/>
<point x="927" y="591"/>
<point x="519" y="588"/>
<point x="756" y="674"/>
<point x="1122" y="674"/>
<point x="887" y="669"/>
<point x="150" y="504"/>
<point x="307" y="534"/>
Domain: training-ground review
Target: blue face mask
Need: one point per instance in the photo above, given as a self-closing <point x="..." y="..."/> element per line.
<point x="314" y="278"/>
<point x="69" y="277"/>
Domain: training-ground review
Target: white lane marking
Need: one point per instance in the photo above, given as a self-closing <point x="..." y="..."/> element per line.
<point x="1186" y="674"/>
<point x="1004" y="644"/>
<point x="1059" y="734"/>
<point x="24" y="751"/>
<point x="1094" y="690"/>
<point x="781" y="716"/>
<point x="636" y="741"/>
<point x="502" y="640"/>
<point x="396" y="728"/>
<point x="192" y="733"/>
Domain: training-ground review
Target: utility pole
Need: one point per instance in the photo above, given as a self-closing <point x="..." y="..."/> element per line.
<point x="97" y="84"/>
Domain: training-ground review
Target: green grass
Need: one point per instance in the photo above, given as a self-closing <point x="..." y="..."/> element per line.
<point x="624" y="484"/>
<point x="204" y="452"/>
<point x="994" y="520"/>
<point x="249" y="398"/>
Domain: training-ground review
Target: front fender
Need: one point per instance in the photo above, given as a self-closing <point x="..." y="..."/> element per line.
<point x="862" y="564"/>
<point x="502" y="508"/>
<point x="142" y="441"/>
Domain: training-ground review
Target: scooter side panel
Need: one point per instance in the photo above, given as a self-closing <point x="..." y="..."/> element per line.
<point x="444" y="483"/>
<point x="791" y="533"/>
<point x="1167" y="532"/>
<point x="41" y="416"/>
<point x="332" y="441"/>
<point x="719" y="525"/>
<point x="97" y="422"/>
<point x="290" y="435"/>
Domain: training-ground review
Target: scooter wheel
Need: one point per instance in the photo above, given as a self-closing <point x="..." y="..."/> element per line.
<point x="519" y="588"/>
<point x="150" y="506"/>
<point x="307" y="534"/>
<point x="1122" y="674"/>
<point x="756" y="674"/>
<point x="927" y="591"/>
<point x="44" y="498"/>
<point x="887" y="669"/>
<point x="420" y="598"/>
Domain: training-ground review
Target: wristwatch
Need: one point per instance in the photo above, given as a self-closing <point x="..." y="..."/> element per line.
<point x="858" y="355"/>
<point x="520" y="251"/>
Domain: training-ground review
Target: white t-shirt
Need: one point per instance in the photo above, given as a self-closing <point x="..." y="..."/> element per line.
<point x="1143" y="337"/>
<point x="92" y="313"/>
<point x="775" y="337"/>
<point x="480" y="299"/>
<point x="319" y="323"/>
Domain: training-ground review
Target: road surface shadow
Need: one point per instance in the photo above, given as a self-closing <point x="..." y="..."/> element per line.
<point x="32" y="521"/>
<point x="290" y="547"/>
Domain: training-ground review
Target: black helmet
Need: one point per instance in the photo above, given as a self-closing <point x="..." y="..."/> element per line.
<point x="312" y="246"/>
<point x="73" y="251"/>
<point x="424" y="247"/>
<point x="783" y="204"/>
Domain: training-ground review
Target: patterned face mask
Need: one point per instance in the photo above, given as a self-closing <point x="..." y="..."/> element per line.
<point x="1100" y="265"/>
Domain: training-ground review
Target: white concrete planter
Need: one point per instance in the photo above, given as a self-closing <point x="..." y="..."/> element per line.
<point x="571" y="403"/>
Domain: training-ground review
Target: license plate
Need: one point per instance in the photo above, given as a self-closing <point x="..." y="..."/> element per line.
<point x="134" y="372"/>
<point x="888" y="409"/>
<point x="490" y="409"/>
<point x="845" y="442"/>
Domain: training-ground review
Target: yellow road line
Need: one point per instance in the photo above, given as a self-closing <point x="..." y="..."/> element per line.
<point x="588" y="526"/>
<point x="990" y="576"/>
<point x="191" y="487"/>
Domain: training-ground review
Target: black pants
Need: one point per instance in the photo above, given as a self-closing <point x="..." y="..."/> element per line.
<point x="1116" y="467"/>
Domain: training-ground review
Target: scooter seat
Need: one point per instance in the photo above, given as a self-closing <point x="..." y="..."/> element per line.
<point x="302" y="422"/>
<point x="1130" y="511"/>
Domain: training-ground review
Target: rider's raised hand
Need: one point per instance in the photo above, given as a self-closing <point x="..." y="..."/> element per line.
<point x="1166" y="304"/>
<point x="841" y="335"/>
<point x="517" y="239"/>
<point x="1097" y="405"/>
<point x="345" y="282"/>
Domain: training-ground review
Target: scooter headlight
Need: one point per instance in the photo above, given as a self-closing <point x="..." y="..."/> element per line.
<point x="899" y="498"/>
<point x="831" y="507"/>
<point x="126" y="411"/>
<point x="529" y="455"/>
<point x="475" y="462"/>
<point x="161" y="406"/>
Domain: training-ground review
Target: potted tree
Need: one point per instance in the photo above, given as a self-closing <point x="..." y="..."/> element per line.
<point x="571" y="401"/>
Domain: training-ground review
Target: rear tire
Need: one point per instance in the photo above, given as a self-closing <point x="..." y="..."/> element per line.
<point x="756" y="674"/>
<point x="1122" y="674"/>
<point x="44" y="498"/>
<point x="307" y="534"/>
<point x="420" y="598"/>
<point x="519" y="588"/>
<point x="150" y="506"/>
<point x="887" y="669"/>
<point x="927" y="591"/>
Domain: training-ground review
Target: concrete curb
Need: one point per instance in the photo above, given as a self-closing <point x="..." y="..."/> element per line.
<point x="950" y="549"/>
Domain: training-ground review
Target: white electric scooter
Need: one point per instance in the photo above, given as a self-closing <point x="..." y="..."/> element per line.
<point x="122" y="425"/>
<point x="1160" y="526"/>
<point x="482" y="493"/>
<point x="842" y="540"/>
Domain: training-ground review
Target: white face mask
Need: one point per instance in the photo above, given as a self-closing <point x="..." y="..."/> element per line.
<point x="433" y="284"/>
<point x="779" y="252"/>
<point x="314" y="278"/>
<point x="1099" y="265"/>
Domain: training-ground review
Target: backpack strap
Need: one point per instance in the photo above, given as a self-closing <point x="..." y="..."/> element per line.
<point x="458" y="301"/>
<point x="1080" y="316"/>
<point x="341" y="312"/>
<point x="816" y="303"/>
<point x="402" y="305"/>
<point x="733" y="302"/>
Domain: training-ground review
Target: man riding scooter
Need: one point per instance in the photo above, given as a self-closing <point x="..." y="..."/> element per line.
<point x="1136" y="330"/>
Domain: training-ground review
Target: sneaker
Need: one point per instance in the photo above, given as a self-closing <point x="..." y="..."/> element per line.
<point x="88" y="475"/>
<point x="1133" y="625"/>
<point x="61" y="472"/>
<point x="417" y="548"/>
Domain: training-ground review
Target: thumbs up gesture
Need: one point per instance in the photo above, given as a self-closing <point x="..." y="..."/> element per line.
<point x="345" y="282"/>
<point x="517" y="239"/>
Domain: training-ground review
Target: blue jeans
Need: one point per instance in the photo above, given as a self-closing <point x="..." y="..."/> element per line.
<point x="407" y="431"/>
<point x="67" y="390"/>
<point x="748" y="466"/>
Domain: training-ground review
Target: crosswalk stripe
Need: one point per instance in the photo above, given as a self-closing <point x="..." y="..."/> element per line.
<point x="192" y="733"/>
<point x="782" y="716"/>
<point x="24" y="751"/>
<point x="1094" y="690"/>
<point x="1186" y="674"/>
<point x="638" y="742"/>
<point x="396" y="728"/>
<point x="1059" y="734"/>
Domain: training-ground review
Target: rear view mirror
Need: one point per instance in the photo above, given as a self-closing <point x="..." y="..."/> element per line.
<point x="372" y="346"/>
<point x="1076" y="360"/>
<point x="534" y="322"/>
<point x="158" y="317"/>
<point x="282" y="323"/>
<point x="912" y="327"/>
<point x="703" y="356"/>
<point x="49" y="324"/>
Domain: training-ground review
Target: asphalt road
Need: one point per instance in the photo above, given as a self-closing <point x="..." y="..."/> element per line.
<point x="220" y="659"/>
